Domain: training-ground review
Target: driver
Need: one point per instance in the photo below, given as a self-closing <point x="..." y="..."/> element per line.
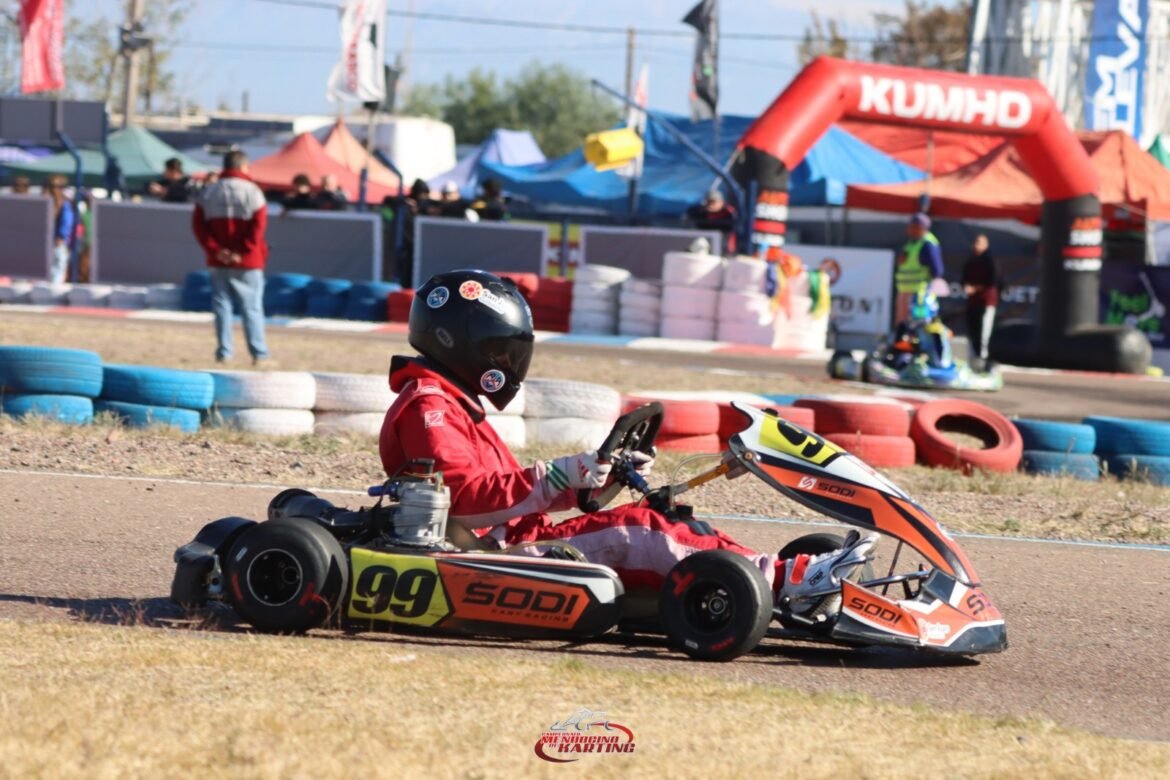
<point x="924" y="332"/>
<point x="473" y="331"/>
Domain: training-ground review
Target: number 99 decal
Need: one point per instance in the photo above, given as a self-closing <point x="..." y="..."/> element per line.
<point x="396" y="588"/>
<point x="783" y="436"/>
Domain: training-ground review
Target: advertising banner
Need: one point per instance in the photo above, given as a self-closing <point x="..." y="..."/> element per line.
<point x="1114" y="86"/>
<point x="861" y="284"/>
<point x="42" y="35"/>
<point x="1137" y="296"/>
<point x="360" y="75"/>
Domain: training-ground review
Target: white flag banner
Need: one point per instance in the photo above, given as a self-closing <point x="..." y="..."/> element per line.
<point x="636" y="118"/>
<point x="360" y="74"/>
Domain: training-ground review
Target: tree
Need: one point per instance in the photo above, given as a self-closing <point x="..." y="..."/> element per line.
<point x="823" y="39"/>
<point x="926" y="36"/>
<point x="553" y="102"/>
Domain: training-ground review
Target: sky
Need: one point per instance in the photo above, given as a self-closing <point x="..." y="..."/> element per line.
<point x="281" y="54"/>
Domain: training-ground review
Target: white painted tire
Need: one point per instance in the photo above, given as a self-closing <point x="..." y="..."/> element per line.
<point x="635" y="300"/>
<point x="15" y="292"/>
<point x="687" y="269"/>
<point x="89" y="295"/>
<point x="565" y="398"/>
<point x="604" y="274"/>
<point x="128" y="297"/>
<point x="357" y="423"/>
<point x="594" y="306"/>
<point x="746" y="333"/>
<point x="271" y="422"/>
<point x="515" y="407"/>
<point x="693" y="302"/>
<point x="593" y="322"/>
<point x="264" y="389"/>
<point x="513" y="431"/>
<point x="744" y="274"/>
<point x="639" y="329"/>
<point x="46" y="294"/>
<point x="688" y="328"/>
<point x="168" y="297"/>
<point x="569" y="432"/>
<point x="640" y="316"/>
<point x="750" y="307"/>
<point x="353" y="392"/>
<point x="643" y="287"/>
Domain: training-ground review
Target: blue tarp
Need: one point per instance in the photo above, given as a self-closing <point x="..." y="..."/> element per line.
<point x="505" y="147"/>
<point x="673" y="179"/>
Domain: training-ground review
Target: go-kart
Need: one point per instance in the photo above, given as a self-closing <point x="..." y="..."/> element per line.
<point x="394" y="566"/>
<point x="900" y="361"/>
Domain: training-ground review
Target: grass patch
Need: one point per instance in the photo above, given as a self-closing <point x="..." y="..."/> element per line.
<point x="98" y="701"/>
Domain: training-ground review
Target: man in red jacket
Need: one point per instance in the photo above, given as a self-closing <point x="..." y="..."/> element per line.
<point x="474" y="333"/>
<point x="230" y="219"/>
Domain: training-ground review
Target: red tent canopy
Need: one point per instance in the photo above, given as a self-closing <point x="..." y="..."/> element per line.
<point x="347" y="150"/>
<point x="998" y="185"/>
<point x="936" y="151"/>
<point x="305" y="154"/>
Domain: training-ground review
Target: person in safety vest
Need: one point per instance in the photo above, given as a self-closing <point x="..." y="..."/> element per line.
<point x="473" y="331"/>
<point x="920" y="262"/>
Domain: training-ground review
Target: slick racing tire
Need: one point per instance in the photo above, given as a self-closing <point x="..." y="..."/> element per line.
<point x="715" y="605"/>
<point x="1073" y="438"/>
<point x="1124" y="436"/>
<point x="881" y="452"/>
<point x="809" y="544"/>
<point x="50" y="370"/>
<point x="286" y="576"/>
<point x="871" y="418"/>
<point x="1003" y="446"/>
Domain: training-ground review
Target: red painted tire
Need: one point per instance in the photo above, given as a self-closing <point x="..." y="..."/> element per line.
<point x="934" y="419"/>
<point x="398" y="305"/>
<point x="709" y="443"/>
<point x="881" y="452"/>
<point x="681" y="418"/>
<point x="527" y="283"/>
<point x="871" y="418"/>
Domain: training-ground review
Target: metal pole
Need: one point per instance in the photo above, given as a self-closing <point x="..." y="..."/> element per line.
<point x="129" y="99"/>
<point x="632" y="184"/>
<point x="629" y="61"/>
<point x="366" y="167"/>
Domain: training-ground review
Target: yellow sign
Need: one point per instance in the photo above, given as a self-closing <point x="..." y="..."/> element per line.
<point x="396" y="588"/>
<point x="782" y="436"/>
<point x="613" y="148"/>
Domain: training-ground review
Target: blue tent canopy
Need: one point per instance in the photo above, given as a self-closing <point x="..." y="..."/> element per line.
<point x="506" y="147"/>
<point x="673" y="179"/>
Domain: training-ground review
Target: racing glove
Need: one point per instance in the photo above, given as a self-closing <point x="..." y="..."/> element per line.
<point x="642" y="462"/>
<point x="576" y="472"/>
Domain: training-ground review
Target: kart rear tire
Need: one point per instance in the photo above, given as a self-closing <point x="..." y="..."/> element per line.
<point x="811" y="544"/>
<point x="286" y="576"/>
<point x="715" y="605"/>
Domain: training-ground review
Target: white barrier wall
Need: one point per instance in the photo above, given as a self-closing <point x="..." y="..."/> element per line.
<point x="26" y="225"/>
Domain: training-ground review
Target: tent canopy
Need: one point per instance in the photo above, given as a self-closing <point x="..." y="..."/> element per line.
<point x="937" y="151"/>
<point x="1160" y="149"/>
<point x="140" y="153"/>
<point x="347" y="150"/>
<point x="673" y="179"/>
<point x="505" y="147"/>
<point x="999" y="185"/>
<point x="305" y="154"/>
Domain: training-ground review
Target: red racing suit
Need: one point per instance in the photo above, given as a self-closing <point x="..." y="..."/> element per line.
<point x="494" y="497"/>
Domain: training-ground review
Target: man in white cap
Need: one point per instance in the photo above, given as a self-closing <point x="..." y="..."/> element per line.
<point x="920" y="262"/>
<point x="451" y="204"/>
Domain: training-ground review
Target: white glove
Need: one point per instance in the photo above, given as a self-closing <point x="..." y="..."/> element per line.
<point x="642" y="462"/>
<point x="581" y="471"/>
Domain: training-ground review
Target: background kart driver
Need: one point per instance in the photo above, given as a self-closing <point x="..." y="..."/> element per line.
<point x="473" y="331"/>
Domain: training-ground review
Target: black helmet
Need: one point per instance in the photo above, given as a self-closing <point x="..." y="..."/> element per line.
<point x="477" y="328"/>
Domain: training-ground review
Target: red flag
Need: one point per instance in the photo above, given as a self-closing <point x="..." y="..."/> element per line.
<point x="42" y="36"/>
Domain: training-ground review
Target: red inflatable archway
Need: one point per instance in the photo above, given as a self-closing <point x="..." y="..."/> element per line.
<point x="830" y="89"/>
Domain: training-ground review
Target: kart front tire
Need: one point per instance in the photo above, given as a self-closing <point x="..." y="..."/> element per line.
<point x="715" y="605"/>
<point x="287" y="576"/>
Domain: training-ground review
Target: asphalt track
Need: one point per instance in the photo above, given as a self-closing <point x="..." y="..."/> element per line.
<point x="1090" y="643"/>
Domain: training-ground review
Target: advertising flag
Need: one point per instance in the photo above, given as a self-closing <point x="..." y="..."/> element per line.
<point x="360" y="74"/>
<point x="42" y="35"/>
<point x="705" y="71"/>
<point x="1115" y="84"/>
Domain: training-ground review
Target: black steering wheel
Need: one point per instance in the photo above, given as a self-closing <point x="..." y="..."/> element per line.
<point x="634" y="431"/>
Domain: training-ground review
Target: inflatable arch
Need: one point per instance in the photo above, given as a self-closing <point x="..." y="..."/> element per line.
<point x="1067" y="334"/>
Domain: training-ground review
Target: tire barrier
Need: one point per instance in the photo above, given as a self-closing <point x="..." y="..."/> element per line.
<point x="367" y="301"/>
<point x="566" y="431"/>
<point x="1154" y="469"/>
<point x="293" y="390"/>
<point x="326" y="298"/>
<point x="128" y="297"/>
<point x="167" y="297"/>
<point x="551" y="303"/>
<point x="1048" y="436"/>
<point x="271" y="422"/>
<point x="594" y="305"/>
<point x="353" y="423"/>
<point x="690" y="269"/>
<point x="15" y="292"/>
<point x="158" y="387"/>
<point x="46" y="294"/>
<point x="146" y="416"/>
<point x="197" y="291"/>
<point x="286" y="294"/>
<point x="697" y="444"/>
<point x="551" y="398"/>
<point x="1003" y="448"/>
<point x="70" y="409"/>
<point x="89" y="295"/>
<point x="1077" y="465"/>
<point x="513" y="431"/>
<point x="1124" y="436"/>
<point x="681" y="417"/>
<point x="687" y="328"/>
<point x="872" y="417"/>
<point x="398" y="305"/>
<point x="50" y="370"/>
<point x="882" y="452"/>
<point x="352" y="392"/>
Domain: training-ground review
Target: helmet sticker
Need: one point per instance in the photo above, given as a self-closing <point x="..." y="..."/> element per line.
<point x="471" y="290"/>
<point x="492" y="380"/>
<point x="497" y="303"/>
<point x="444" y="337"/>
<point x="438" y="297"/>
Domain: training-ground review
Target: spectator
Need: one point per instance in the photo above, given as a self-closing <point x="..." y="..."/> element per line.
<point x="64" y="228"/>
<point x="491" y="205"/>
<point x="417" y="201"/>
<point x="85" y="236"/>
<point x="981" y="284"/>
<point x="451" y="204"/>
<point x="229" y="222"/>
<point x="920" y="262"/>
<point x="21" y="185"/>
<point x="714" y="214"/>
<point x="174" y="186"/>
<point x="331" y="197"/>
<point x="301" y="196"/>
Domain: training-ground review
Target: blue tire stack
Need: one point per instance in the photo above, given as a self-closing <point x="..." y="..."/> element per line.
<point x="197" y="291"/>
<point x="49" y="382"/>
<point x="327" y="297"/>
<point x="1134" y="449"/>
<point x="143" y="396"/>
<point x="1059" y="449"/>
<point x="367" y="300"/>
<point x="285" y="294"/>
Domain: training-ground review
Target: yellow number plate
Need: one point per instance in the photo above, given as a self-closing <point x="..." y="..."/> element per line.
<point x="396" y="588"/>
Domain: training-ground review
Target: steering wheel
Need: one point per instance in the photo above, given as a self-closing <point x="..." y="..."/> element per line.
<point x="634" y="431"/>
